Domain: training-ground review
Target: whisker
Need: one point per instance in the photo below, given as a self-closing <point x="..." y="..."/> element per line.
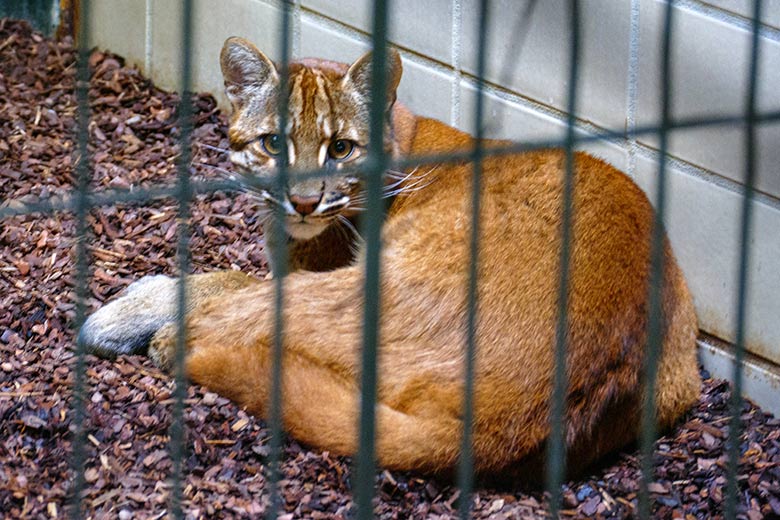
<point x="391" y="190"/>
<point x="430" y="171"/>
<point x="401" y="176"/>
<point x="346" y="223"/>
<point x="210" y="147"/>
<point x="240" y="180"/>
<point x="411" y="175"/>
<point x="268" y="197"/>
<point x="396" y="183"/>
<point x="249" y="188"/>
<point x="417" y="182"/>
<point x="255" y="197"/>
<point x="227" y="173"/>
<point x="405" y="189"/>
<point x="343" y="233"/>
<point x="396" y="174"/>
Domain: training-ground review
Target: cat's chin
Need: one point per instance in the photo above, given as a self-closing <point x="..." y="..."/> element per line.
<point x="305" y="230"/>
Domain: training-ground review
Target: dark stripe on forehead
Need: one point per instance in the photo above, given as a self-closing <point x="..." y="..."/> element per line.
<point x="309" y="85"/>
<point x="295" y="102"/>
<point x="327" y="85"/>
<point x="316" y="109"/>
<point x="309" y="112"/>
<point x="324" y="106"/>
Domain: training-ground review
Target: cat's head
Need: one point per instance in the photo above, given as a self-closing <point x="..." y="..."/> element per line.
<point x="327" y="128"/>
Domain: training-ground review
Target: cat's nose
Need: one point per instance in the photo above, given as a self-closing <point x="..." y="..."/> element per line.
<point x="305" y="205"/>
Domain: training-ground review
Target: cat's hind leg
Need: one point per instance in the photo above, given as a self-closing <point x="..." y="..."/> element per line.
<point x="127" y="324"/>
<point x="321" y="407"/>
<point x="229" y="350"/>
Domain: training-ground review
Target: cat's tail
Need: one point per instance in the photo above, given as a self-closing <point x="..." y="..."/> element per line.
<point x="678" y="380"/>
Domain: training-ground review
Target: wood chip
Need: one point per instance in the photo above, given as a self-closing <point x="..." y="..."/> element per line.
<point x="133" y="143"/>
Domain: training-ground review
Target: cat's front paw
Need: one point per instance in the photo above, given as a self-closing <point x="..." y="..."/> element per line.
<point x="127" y="324"/>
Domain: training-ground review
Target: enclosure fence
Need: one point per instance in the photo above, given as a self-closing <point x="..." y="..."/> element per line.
<point x="82" y="199"/>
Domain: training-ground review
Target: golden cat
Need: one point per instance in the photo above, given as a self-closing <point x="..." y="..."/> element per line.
<point x="425" y="262"/>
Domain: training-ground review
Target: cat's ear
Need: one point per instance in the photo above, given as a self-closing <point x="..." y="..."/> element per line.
<point x="358" y="77"/>
<point x="247" y="72"/>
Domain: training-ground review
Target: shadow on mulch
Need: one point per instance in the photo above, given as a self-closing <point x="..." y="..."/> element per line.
<point x="132" y="142"/>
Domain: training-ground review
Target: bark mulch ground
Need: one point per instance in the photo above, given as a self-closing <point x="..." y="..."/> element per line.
<point x="132" y="141"/>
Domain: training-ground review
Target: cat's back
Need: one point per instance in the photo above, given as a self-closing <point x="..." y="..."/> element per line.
<point x="524" y="184"/>
<point x="426" y="268"/>
<point x="521" y="216"/>
<point x="522" y="202"/>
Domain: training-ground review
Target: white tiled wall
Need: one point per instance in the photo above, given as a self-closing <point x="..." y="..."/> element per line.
<point x="527" y="74"/>
<point x="121" y="27"/>
<point x="424" y="27"/>
<point x="211" y="28"/>
<point x="528" y="53"/>
<point x="709" y="77"/>
<point x="703" y="221"/>
<point x="770" y="9"/>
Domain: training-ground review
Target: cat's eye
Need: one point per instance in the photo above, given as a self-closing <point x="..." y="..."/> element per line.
<point x="272" y="144"/>
<point x="340" y="149"/>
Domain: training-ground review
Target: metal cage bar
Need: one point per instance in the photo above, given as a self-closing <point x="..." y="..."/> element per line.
<point x="279" y="251"/>
<point x="743" y="272"/>
<point x="83" y="199"/>
<point x="556" y="451"/>
<point x="81" y="206"/>
<point x="183" y="197"/>
<point x="466" y="468"/>
<point x="376" y="164"/>
<point x="655" y="317"/>
<point x="141" y="195"/>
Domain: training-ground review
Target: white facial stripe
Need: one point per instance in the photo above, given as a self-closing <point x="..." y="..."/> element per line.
<point x="239" y="158"/>
<point x="351" y="134"/>
<point x="288" y="209"/>
<point x="322" y="154"/>
<point x="322" y="106"/>
<point x="341" y="201"/>
<point x="269" y="124"/>
<point x="296" y="102"/>
<point x="290" y="152"/>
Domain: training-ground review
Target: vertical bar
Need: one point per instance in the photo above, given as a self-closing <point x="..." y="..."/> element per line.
<point x="82" y="262"/>
<point x="735" y="426"/>
<point x="466" y="468"/>
<point x="375" y="167"/>
<point x="556" y="452"/>
<point x="184" y="195"/>
<point x="655" y="310"/>
<point x="278" y="249"/>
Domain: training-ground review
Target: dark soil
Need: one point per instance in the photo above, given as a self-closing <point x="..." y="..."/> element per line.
<point x="132" y="143"/>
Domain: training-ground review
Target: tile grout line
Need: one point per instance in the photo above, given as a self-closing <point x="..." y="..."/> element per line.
<point x="633" y="85"/>
<point x="524" y="103"/>
<point x="148" y="42"/>
<point x="639" y="149"/>
<point x="708" y="176"/>
<point x="296" y="29"/>
<point x="767" y="31"/>
<point x="716" y="355"/>
<point x="457" y="22"/>
<point x="349" y="31"/>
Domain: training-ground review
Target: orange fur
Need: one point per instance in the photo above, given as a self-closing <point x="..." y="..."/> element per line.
<point x="425" y="262"/>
